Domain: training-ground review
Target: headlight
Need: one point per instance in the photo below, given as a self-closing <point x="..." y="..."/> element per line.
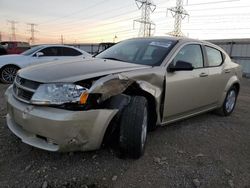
<point x="59" y="93"/>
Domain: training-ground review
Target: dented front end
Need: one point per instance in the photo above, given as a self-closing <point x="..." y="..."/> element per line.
<point x="56" y="129"/>
<point x="75" y="126"/>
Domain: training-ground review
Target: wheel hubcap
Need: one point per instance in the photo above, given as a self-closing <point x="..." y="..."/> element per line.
<point x="144" y="127"/>
<point x="230" y="102"/>
<point x="9" y="74"/>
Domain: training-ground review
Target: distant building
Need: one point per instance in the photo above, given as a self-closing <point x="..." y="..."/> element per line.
<point x="238" y="50"/>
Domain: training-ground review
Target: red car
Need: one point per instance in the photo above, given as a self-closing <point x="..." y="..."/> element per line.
<point x="15" y="47"/>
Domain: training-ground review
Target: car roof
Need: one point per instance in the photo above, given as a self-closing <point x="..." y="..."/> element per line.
<point x="54" y="45"/>
<point x="180" y="40"/>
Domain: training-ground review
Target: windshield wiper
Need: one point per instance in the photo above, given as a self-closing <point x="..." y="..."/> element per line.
<point x="112" y="58"/>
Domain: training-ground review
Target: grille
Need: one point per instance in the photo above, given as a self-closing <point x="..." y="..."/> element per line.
<point x="27" y="83"/>
<point x="24" y="89"/>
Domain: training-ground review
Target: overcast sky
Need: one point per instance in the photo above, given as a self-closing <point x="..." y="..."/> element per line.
<point x="101" y="20"/>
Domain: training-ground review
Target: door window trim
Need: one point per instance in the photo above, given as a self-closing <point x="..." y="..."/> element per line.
<point x="223" y="56"/>
<point x="178" y="50"/>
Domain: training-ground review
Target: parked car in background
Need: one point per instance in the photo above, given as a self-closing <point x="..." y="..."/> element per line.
<point x="10" y="64"/>
<point x="118" y="96"/>
<point x="15" y="47"/>
<point x="2" y="50"/>
<point x="103" y="46"/>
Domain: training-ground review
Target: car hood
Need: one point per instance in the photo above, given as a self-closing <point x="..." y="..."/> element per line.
<point x="73" y="71"/>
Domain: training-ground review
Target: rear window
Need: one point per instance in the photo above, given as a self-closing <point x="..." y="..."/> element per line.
<point x="214" y="57"/>
<point x="70" y="52"/>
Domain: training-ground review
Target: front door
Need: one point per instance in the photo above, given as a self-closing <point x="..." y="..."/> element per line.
<point x="186" y="91"/>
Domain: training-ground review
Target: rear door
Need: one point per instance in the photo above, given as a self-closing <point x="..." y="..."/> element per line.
<point x="219" y="74"/>
<point x="186" y="91"/>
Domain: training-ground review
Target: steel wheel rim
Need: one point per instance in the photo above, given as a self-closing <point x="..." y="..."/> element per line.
<point x="144" y="127"/>
<point x="230" y="102"/>
<point x="9" y="74"/>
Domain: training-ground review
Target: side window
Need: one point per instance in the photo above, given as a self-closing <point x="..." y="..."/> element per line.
<point x="52" y="51"/>
<point x="191" y="53"/>
<point x="70" y="52"/>
<point x="214" y="57"/>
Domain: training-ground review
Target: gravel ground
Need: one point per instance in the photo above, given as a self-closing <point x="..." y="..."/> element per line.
<point x="204" y="151"/>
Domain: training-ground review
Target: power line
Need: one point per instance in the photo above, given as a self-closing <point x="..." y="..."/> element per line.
<point x="146" y="7"/>
<point x="215" y="2"/>
<point x="74" y="13"/>
<point x="96" y="24"/>
<point x="179" y="13"/>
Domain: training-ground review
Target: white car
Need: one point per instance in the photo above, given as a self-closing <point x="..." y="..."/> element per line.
<point x="10" y="64"/>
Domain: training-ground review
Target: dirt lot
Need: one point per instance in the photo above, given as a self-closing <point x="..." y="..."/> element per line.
<point x="205" y="151"/>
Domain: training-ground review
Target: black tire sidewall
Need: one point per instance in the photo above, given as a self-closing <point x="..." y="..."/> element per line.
<point x="131" y="127"/>
<point x="226" y="113"/>
<point x="1" y="76"/>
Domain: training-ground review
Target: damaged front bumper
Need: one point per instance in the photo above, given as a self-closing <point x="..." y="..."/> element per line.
<point x="55" y="129"/>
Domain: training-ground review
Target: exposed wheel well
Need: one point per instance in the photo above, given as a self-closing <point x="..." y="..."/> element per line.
<point x="237" y="86"/>
<point x="133" y="90"/>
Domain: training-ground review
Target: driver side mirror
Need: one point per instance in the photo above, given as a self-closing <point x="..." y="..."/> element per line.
<point x="39" y="54"/>
<point x="180" y="66"/>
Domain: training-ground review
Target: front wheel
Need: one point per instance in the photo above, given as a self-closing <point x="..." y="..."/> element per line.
<point x="133" y="127"/>
<point x="8" y="74"/>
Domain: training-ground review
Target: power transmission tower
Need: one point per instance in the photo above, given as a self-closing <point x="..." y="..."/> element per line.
<point x="13" y="29"/>
<point x="179" y="13"/>
<point x="146" y="7"/>
<point x="32" y="30"/>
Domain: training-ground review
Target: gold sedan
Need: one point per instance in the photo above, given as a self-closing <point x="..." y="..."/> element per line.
<point x="121" y="94"/>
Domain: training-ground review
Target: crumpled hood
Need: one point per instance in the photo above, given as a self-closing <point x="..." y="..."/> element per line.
<point x="73" y="71"/>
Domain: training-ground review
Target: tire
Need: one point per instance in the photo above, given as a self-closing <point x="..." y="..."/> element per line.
<point x="229" y="103"/>
<point x="133" y="128"/>
<point x="8" y="74"/>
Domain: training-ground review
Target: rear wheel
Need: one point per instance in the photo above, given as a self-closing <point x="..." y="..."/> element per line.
<point x="229" y="102"/>
<point x="133" y="127"/>
<point x="8" y="74"/>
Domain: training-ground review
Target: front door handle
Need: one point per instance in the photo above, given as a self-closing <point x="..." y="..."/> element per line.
<point x="203" y="74"/>
<point x="227" y="71"/>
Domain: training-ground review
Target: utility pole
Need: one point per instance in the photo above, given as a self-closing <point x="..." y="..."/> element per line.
<point x="13" y="29"/>
<point x="146" y="7"/>
<point x="32" y="32"/>
<point x="61" y="39"/>
<point x="115" y="37"/>
<point x="179" y="13"/>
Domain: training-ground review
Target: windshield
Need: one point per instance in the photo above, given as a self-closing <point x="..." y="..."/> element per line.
<point x="140" y="51"/>
<point x="32" y="50"/>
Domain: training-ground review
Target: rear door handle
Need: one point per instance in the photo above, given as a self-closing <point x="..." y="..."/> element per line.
<point x="227" y="71"/>
<point x="203" y="74"/>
